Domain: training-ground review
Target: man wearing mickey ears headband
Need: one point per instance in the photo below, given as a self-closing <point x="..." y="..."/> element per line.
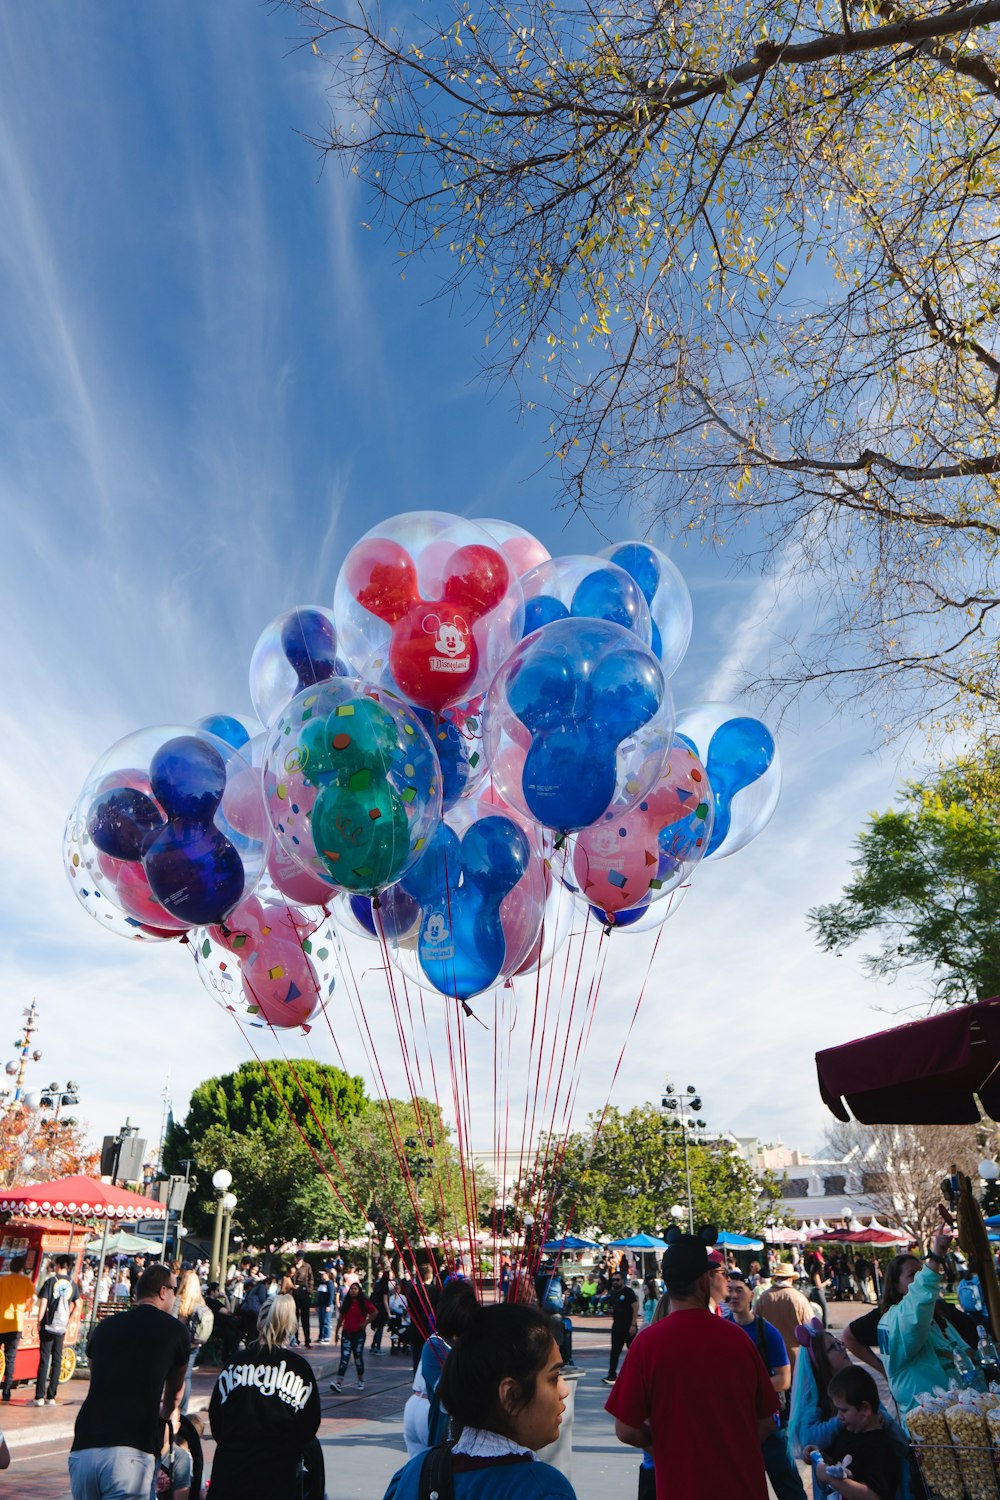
<point x="694" y="1390"/>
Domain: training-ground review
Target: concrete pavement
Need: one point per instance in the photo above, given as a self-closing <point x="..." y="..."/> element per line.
<point x="360" y="1433"/>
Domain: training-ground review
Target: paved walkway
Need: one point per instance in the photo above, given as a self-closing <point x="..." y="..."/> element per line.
<point x="361" y="1432"/>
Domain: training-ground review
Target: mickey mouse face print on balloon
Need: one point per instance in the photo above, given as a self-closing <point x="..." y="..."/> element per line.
<point x="428" y="606"/>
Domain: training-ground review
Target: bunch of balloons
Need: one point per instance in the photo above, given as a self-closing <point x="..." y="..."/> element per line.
<point x="477" y="742"/>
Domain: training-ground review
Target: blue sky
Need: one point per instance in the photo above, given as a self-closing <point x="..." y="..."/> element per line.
<point x="213" y="379"/>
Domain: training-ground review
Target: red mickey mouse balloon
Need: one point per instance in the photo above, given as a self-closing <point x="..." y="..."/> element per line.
<point x="439" y="589"/>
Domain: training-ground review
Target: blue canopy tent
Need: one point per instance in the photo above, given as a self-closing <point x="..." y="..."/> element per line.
<point x="568" y="1242"/>
<point x="638" y="1242"/>
<point x="727" y="1241"/>
<point x="645" y="1244"/>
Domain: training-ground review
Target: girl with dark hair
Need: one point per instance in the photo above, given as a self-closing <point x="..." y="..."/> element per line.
<point x="356" y="1315"/>
<point x="815" y="1267"/>
<point x="503" y="1386"/>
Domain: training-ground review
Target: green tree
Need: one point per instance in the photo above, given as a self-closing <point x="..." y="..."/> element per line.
<point x="330" y="1161"/>
<point x="257" y="1106"/>
<point x="401" y="1161"/>
<point x="317" y="1096"/>
<point x="628" y="1179"/>
<point x="281" y="1193"/>
<point x="745" y="254"/>
<point x="927" y="883"/>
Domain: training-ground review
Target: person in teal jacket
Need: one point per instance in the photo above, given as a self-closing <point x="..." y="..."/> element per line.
<point x="915" y="1340"/>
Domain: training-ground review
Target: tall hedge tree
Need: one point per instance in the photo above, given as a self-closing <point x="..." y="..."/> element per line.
<point x="745" y="254"/>
<point x="260" y="1106"/>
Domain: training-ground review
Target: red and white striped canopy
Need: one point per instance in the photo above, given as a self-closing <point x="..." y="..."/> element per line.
<point x="79" y="1198"/>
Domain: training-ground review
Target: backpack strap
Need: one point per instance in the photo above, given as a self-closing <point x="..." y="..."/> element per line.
<point x="437" y="1478"/>
<point x="760" y="1339"/>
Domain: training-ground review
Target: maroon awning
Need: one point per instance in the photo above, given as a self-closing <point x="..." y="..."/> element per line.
<point x="929" y="1072"/>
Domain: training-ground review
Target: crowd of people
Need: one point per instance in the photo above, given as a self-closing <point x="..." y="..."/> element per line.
<point x="723" y="1377"/>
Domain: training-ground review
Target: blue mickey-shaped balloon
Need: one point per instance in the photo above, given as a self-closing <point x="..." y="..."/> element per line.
<point x="584" y="588"/>
<point x="226" y="728"/>
<point x="581" y="688"/>
<point x="398" y="913"/>
<point x="193" y="870"/>
<point x="619" y="918"/>
<point x="641" y="563"/>
<point x="542" y="610"/>
<point x="739" y="753"/>
<point x="122" y="821"/>
<point x="459" y="884"/>
<point x="363" y="912"/>
<point x="741" y="761"/>
<point x="309" y="642"/>
<point x="604" y="595"/>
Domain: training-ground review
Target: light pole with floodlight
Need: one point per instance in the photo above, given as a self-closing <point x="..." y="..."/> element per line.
<point x="679" y="1109"/>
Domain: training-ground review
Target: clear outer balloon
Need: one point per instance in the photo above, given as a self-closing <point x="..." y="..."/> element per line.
<point x="635" y="858"/>
<point x="744" y="770"/>
<point x="665" y="592"/>
<point x="584" y="588"/>
<point x="300" y="886"/>
<point x="641" y="918"/>
<point x="352" y="785"/>
<point x="397" y="916"/>
<point x="296" y="651"/>
<point x="426" y="603"/>
<point x="522" y="550"/>
<point x="578" y="720"/>
<point x="558" y="916"/>
<point x="478" y="894"/>
<point x="80" y="861"/>
<point x="276" y="962"/>
<point x="177" y="826"/>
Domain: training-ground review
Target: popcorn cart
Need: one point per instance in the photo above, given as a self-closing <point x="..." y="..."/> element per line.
<point x="41" y="1241"/>
<point x="45" y="1220"/>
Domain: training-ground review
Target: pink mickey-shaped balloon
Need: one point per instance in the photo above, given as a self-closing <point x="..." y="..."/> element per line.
<point x="137" y="900"/>
<point x="296" y="882"/>
<point x="278" y="978"/>
<point x="243" y="804"/>
<point x="629" y="859"/>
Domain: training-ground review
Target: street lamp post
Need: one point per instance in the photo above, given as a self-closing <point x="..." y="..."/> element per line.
<point x="228" y="1201"/>
<point x="680" y="1108"/>
<point x="222" y="1181"/>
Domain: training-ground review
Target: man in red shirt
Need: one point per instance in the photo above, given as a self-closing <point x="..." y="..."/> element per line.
<point x="695" y="1390"/>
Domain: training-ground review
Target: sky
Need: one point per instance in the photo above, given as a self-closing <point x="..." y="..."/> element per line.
<point x="213" y="380"/>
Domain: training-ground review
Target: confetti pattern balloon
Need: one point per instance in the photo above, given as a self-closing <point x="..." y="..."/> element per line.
<point x="352" y="785"/>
